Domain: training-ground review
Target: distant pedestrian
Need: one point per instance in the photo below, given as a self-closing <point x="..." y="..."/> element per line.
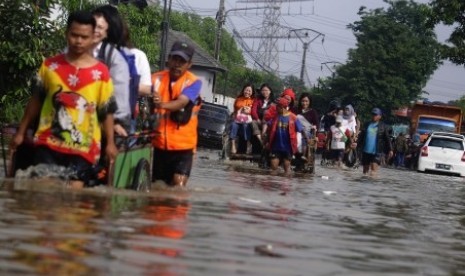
<point x="338" y="138"/>
<point x="374" y="141"/>
<point x="401" y="148"/>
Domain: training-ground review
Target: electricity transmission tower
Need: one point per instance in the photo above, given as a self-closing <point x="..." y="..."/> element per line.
<point x="269" y="33"/>
<point x="305" y="36"/>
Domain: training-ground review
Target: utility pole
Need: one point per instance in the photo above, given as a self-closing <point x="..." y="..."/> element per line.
<point x="220" y="17"/>
<point x="304" y="36"/>
<point x="304" y="57"/>
<point x="329" y="68"/>
<point x="165" y="25"/>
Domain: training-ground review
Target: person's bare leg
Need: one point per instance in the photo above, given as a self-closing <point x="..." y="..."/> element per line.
<point x="233" y="146"/>
<point x="179" y="180"/>
<point x="366" y="169"/>
<point x="76" y="184"/>
<point x="274" y="164"/>
<point x="249" y="147"/>
<point x="374" y="168"/>
<point x="287" y="166"/>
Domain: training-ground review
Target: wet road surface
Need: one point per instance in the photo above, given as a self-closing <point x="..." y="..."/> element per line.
<point x="237" y="219"/>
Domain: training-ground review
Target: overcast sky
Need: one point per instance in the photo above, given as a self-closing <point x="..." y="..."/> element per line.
<point x="329" y="17"/>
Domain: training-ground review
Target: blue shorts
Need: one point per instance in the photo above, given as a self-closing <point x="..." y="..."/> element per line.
<point x="281" y="155"/>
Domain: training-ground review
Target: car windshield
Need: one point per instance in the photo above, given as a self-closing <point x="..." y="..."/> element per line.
<point x="446" y="143"/>
<point x="213" y="115"/>
<point x="428" y="125"/>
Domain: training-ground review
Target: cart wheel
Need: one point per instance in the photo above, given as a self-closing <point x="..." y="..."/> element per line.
<point x="142" y="179"/>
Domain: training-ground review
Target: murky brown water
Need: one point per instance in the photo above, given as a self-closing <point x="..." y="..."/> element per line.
<point x="401" y="223"/>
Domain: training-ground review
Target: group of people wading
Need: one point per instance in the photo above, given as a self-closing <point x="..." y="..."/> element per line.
<point x="284" y="129"/>
<point x="82" y="101"/>
<point x="280" y="128"/>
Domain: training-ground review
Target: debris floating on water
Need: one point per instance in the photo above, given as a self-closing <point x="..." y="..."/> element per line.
<point x="329" y="192"/>
<point x="325" y="177"/>
<point x="250" y="200"/>
<point x="267" y="250"/>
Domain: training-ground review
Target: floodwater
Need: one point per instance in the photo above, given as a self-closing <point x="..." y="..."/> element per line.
<point x="236" y="219"/>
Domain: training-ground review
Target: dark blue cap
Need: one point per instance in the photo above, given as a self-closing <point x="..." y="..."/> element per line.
<point x="376" y="111"/>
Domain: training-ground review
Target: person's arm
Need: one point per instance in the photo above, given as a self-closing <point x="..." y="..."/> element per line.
<point x="255" y="109"/>
<point x="238" y="104"/>
<point x="299" y="128"/>
<point x="108" y="129"/>
<point x="189" y="94"/>
<point x="388" y="141"/>
<point x="145" y="90"/>
<point x="329" y="136"/>
<point x="143" y="67"/>
<point x="176" y="104"/>
<point x="32" y="111"/>
<point x="314" y="120"/>
<point x="119" y="72"/>
<point x="270" y="113"/>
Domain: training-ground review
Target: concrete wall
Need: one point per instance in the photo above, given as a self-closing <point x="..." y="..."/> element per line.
<point x="207" y="90"/>
<point x="207" y="83"/>
<point x="224" y="100"/>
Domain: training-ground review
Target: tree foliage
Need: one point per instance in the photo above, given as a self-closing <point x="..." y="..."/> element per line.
<point x="27" y="36"/>
<point x="396" y="54"/>
<point x="34" y="30"/>
<point x="452" y="13"/>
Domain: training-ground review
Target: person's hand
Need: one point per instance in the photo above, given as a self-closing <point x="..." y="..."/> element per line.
<point x="111" y="152"/>
<point x="156" y="99"/>
<point x="119" y="130"/>
<point x="17" y="140"/>
<point x="390" y="154"/>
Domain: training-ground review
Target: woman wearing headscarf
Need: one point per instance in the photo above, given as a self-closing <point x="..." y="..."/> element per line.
<point x="349" y="117"/>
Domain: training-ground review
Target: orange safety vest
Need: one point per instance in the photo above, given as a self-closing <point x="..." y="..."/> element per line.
<point x="169" y="135"/>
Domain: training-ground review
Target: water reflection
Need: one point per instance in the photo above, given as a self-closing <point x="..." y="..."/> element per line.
<point x="170" y="221"/>
<point x="49" y="232"/>
<point x="57" y="231"/>
<point x="236" y="219"/>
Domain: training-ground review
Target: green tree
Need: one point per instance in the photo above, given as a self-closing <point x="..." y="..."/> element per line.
<point x="27" y="36"/>
<point x="396" y="54"/>
<point x="452" y="13"/>
<point x="144" y="26"/>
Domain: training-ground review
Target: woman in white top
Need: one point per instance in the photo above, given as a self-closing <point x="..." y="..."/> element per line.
<point x="349" y="117"/>
<point x="338" y="138"/>
<point x="141" y="62"/>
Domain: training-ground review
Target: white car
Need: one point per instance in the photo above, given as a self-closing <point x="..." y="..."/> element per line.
<point x="443" y="152"/>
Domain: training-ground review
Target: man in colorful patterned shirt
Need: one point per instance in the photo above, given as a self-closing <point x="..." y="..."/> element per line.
<point x="74" y="97"/>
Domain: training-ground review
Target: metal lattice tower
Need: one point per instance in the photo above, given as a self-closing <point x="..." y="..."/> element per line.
<point x="269" y="33"/>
